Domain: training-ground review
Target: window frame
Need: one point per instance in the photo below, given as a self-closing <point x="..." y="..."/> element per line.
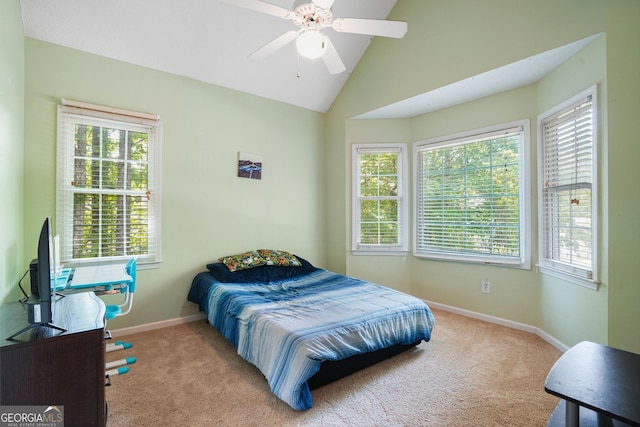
<point x="567" y="271"/>
<point x="69" y="114"/>
<point x="402" y="247"/>
<point x="524" y="259"/>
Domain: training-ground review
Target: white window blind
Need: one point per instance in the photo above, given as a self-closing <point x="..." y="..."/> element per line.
<point x="379" y="208"/>
<point x="108" y="186"/>
<point x="469" y="197"/>
<point x="567" y="188"/>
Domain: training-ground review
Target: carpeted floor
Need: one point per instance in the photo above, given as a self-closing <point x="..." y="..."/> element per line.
<point x="471" y="373"/>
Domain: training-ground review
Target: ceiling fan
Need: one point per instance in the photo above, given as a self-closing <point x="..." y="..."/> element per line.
<point x="310" y="19"/>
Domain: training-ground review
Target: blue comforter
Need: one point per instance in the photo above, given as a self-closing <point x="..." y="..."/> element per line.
<point x="287" y="328"/>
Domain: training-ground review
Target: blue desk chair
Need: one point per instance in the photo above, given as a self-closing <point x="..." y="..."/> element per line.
<point x="124" y="308"/>
<point x="116" y="367"/>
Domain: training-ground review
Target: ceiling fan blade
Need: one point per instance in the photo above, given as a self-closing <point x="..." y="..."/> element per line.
<point x="373" y="27"/>
<point x="275" y="44"/>
<point x="263" y="7"/>
<point x="323" y="4"/>
<point x="332" y="59"/>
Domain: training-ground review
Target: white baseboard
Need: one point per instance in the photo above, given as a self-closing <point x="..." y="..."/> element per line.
<point x="156" y="325"/>
<point x="503" y="322"/>
<point x="551" y="340"/>
<point x="468" y="313"/>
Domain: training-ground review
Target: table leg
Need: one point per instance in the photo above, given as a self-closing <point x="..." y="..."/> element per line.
<point x="572" y="414"/>
<point x="604" y="421"/>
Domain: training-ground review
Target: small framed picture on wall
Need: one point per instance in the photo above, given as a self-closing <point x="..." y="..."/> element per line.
<point x="249" y="166"/>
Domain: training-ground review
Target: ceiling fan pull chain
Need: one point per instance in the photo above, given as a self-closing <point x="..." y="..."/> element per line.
<point x="298" y="65"/>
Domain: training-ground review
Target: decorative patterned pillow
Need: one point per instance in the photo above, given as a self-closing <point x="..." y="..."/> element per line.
<point x="279" y="258"/>
<point x="260" y="275"/>
<point x="242" y="261"/>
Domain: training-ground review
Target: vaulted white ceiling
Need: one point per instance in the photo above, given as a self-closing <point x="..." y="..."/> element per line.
<point x="207" y="40"/>
<point x="210" y="41"/>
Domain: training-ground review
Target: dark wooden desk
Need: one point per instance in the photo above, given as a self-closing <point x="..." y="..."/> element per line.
<point x="595" y="377"/>
<point x="44" y="366"/>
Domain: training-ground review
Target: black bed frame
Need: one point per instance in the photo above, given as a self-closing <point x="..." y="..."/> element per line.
<point x="334" y="370"/>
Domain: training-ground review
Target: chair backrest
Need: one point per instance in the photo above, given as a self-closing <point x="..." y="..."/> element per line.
<point x="131" y="271"/>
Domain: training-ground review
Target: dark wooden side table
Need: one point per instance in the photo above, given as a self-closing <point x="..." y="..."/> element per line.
<point x="600" y="386"/>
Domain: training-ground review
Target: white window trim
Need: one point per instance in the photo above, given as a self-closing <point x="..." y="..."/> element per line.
<point x="549" y="267"/>
<point x="95" y="113"/>
<point x="524" y="262"/>
<point x="403" y="177"/>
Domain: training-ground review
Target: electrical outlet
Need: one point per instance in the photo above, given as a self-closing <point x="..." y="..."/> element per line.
<point x="485" y="286"/>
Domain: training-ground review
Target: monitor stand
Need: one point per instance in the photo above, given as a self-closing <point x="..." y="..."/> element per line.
<point x="35" y="326"/>
<point x="37" y="317"/>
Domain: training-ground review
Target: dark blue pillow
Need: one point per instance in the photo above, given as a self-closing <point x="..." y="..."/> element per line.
<point x="262" y="274"/>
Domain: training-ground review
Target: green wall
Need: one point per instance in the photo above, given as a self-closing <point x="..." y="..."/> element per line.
<point x="513" y="291"/>
<point x="589" y="320"/>
<point x="452" y="41"/>
<point x="11" y="138"/>
<point x="207" y="211"/>
<point x="303" y="202"/>
<point x="623" y="70"/>
<point x="392" y="271"/>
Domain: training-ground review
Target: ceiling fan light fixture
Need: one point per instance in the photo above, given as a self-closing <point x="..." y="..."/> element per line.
<point x="311" y="44"/>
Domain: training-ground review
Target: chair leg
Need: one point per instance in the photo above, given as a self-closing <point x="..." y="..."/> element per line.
<point x="118" y="345"/>
<point x="120" y="362"/>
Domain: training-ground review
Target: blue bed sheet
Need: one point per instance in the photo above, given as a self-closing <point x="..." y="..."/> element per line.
<point x="288" y="328"/>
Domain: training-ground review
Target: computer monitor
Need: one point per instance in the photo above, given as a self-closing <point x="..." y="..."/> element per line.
<point x="45" y="269"/>
<point x="39" y="303"/>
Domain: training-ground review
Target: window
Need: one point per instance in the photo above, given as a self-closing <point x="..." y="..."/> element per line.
<point x="470" y="196"/>
<point x="567" y="153"/>
<point x="379" y="202"/>
<point x="108" y="195"/>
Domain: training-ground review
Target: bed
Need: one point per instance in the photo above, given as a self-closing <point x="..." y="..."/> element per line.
<point x="292" y="320"/>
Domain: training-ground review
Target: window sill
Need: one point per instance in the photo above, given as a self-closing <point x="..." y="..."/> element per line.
<point x="359" y="252"/>
<point x="475" y="260"/>
<point x="140" y="265"/>
<point x="577" y="280"/>
<point x="149" y="265"/>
